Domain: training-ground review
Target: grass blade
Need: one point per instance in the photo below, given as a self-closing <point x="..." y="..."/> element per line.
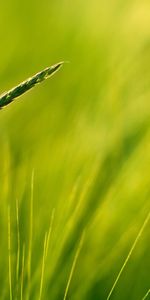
<point x="7" y="97"/>
<point x="146" y="295"/>
<point x="30" y="233"/>
<point x="22" y="272"/>
<point x="43" y="267"/>
<point x="74" y="265"/>
<point x="50" y="230"/>
<point x="18" y="246"/>
<point x="9" y="256"/>
<point x="129" y="255"/>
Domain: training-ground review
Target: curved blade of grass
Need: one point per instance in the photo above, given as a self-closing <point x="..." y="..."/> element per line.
<point x="147" y="219"/>
<point x="146" y="295"/>
<point x="9" y="255"/>
<point x="74" y="264"/>
<point x="7" y="97"/>
<point x="30" y="233"/>
<point x="43" y="266"/>
<point x="22" y="273"/>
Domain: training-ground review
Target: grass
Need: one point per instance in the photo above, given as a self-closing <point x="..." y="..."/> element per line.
<point x="22" y="274"/>
<point x="7" y="97"/>
<point x="73" y="266"/>
<point x="146" y="295"/>
<point x="129" y="255"/>
<point x="75" y="152"/>
<point x="9" y="256"/>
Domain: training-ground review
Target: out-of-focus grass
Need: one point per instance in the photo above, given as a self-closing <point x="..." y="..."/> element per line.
<point x="86" y="135"/>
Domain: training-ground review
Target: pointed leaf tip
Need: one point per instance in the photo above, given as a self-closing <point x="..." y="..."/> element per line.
<point x="7" y="97"/>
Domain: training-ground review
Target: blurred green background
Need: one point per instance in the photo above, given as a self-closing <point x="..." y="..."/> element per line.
<point x="86" y="134"/>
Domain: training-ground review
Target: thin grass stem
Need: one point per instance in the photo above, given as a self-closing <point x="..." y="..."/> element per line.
<point x="146" y="295"/>
<point x="18" y="246"/>
<point x="43" y="267"/>
<point x="9" y="255"/>
<point x="50" y="230"/>
<point x="129" y="255"/>
<point x="22" y="273"/>
<point x="74" y="265"/>
<point x="30" y="233"/>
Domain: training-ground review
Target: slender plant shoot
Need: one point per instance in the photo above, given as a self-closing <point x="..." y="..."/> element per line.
<point x="7" y="97"/>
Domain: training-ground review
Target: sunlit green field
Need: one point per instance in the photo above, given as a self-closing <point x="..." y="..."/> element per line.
<point x="75" y="151"/>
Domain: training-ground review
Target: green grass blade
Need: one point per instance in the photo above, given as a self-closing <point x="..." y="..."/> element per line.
<point x="30" y="234"/>
<point x="129" y="254"/>
<point x="74" y="264"/>
<point x="146" y="295"/>
<point x="43" y="266"/>
<point x="7" y="97"/>
<point x="9" y="255"/>
<point x="18" y="247"/>
<point x="22" y="273"/>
